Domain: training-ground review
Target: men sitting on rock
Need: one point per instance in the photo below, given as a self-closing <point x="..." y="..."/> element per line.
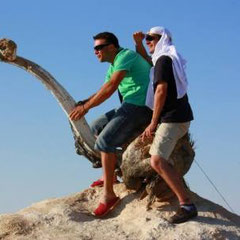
<point x="129" y="73"/>
<point x="167" y="95"/>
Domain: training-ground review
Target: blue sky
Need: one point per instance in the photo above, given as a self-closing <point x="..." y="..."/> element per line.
<point x="37" y="156"/>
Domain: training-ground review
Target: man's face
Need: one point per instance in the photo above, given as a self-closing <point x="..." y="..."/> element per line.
<point x="151" y="41"/>
<point x="101" y="50"/>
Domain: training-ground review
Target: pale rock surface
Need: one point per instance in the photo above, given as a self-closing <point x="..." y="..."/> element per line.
<point x="70" y="218"/>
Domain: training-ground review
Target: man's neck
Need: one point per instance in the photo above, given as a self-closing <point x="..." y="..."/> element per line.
<point x="112" y="58"/>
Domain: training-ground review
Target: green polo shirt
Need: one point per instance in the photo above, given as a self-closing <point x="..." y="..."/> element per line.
<point x="134" y="85"/>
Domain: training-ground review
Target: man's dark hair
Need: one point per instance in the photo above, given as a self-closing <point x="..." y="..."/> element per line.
<point x="109" y="37"/>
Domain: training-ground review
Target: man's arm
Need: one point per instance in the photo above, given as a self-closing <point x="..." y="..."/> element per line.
<point x="104" y="93"/>
<point x="138" y="38"/>
<point x="81" y="102"/>
<point x="159" y="101"/>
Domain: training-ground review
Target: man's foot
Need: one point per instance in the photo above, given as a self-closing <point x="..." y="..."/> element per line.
<point x="104" y="208"/>
<point x="99" y="183"/>
<point x="184" y="213"/>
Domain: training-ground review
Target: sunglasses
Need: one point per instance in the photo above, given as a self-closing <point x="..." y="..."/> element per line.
<point x="151" y="38"/>
<point x="101" y="46"/>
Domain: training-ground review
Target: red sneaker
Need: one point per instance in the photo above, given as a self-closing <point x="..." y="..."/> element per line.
<point x="99" y="183"/>
<point x="103" y="209"/>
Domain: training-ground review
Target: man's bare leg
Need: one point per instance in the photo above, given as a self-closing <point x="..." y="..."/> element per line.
<point x="187" y="209"/>
<point x="171" y="177"/>
<point x="108" y="165"/>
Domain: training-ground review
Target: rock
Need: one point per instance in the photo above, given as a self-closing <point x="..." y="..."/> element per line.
<point x="70" y="218"/>
<point x="136" y="169"/>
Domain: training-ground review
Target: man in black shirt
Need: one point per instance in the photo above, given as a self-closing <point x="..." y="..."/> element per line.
<point x="171" y="111"/>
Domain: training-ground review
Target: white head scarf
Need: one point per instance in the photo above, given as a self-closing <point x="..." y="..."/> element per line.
<point x="165" y="47"/>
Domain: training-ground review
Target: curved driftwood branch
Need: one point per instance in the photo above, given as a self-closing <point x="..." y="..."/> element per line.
<point x="84" y="139"/>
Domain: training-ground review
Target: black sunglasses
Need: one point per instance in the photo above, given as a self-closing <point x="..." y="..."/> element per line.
<point x="101" y="46"/>
<point x="151" y="38"/>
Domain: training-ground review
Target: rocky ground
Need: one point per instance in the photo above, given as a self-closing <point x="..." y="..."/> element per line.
<point x="70" y="218"/>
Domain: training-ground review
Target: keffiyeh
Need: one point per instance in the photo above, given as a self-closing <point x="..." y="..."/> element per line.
<point x="165" y="47"/>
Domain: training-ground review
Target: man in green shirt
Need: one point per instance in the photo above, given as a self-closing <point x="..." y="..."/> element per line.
<point x="129" y="73"/>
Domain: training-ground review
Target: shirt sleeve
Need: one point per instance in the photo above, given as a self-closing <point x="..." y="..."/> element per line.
<point x="108" y="75"/>
<point x="163" y="70"/>
<point x="125" y="62"/>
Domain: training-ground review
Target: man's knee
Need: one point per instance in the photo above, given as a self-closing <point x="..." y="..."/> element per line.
<point x="102" y="145"/>
<point x="158" y="163"/>
<point x="95" y="129"/>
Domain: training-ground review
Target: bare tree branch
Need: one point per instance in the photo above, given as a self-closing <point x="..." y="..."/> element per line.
<point x="82" y="134"/>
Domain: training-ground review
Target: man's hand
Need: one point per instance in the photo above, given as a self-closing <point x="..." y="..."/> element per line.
<point x="138" y="37"/>
<point x="78" y="112"/>
<point x="104" y="93"/>
<point x="149" y="132"/>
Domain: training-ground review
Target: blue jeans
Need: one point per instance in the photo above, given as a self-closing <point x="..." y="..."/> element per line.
<point x="120" y="126"/>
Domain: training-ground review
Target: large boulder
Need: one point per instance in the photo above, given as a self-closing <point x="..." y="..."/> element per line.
<point x="137" y="172"/>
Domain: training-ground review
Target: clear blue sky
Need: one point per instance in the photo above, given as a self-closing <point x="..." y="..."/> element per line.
<point x="37" y="156"/>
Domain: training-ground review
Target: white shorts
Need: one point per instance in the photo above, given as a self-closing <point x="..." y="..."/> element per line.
<point x="166" y="137"/>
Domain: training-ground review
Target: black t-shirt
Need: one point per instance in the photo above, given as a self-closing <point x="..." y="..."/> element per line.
<point x="174" y="110"/>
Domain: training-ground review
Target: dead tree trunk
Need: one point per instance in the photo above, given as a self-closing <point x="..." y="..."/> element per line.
<point x="82" y="134"/>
